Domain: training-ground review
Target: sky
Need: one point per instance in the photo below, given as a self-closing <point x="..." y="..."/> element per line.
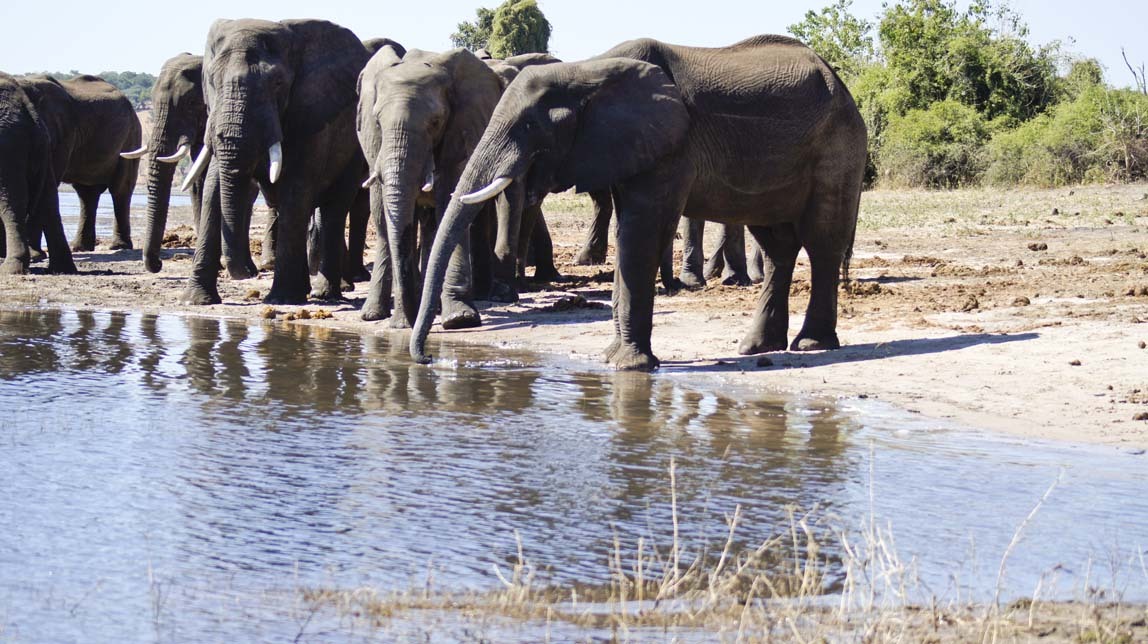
<point x="115" y="35"/>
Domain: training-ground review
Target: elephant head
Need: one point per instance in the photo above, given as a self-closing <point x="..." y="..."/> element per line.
<point x="587" y="125"/>
<point x="265" y="83"/>
<point x="419" y="118"/>
<point x="179" y="120"/>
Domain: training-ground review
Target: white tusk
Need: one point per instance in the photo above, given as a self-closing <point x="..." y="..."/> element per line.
<point x="197" y="168"/>
<point x="180" y="153"/>
<point x="275" y="154"/>
<point x="135" y="154"/>
<point x="490" y="192"/>
<point x="429" y="185"/>
<point x="371" y="179"/>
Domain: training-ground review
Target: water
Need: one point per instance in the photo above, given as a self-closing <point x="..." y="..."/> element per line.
<point x="183" y="478"/>
<point x="105" y="215"/>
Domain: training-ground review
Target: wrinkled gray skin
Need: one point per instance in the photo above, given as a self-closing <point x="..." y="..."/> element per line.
<point x="291" y="83"/>
<point x="91" y="123"/>
<point x="762" y="133"/>
<point x="419" y="118"/>
<point x="728" y="261"/>
<point x="28" y="199"/>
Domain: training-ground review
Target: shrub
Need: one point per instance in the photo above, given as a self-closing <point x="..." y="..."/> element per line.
<point x="518" y="27"/>
<point x="938" y="147"/>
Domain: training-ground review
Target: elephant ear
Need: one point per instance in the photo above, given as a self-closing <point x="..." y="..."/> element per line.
<point x="631" y="116"/>
<point x="327" y="60"/>
<point x="474" y="93"/>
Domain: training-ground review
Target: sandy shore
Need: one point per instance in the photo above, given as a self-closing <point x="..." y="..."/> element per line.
<point x="1023" y="311"/>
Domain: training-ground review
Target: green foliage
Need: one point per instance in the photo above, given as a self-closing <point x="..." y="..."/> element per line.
<point x="937" y="147"/>
<point x="474" y="35"/>
<point x="1083" y="74"/>
<point x="842" y="39"/>
<point x="518" y="27"/>
<point x="1101" y="135"/>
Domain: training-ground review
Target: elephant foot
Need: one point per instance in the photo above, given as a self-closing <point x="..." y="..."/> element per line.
<point x="153" y="264"/>
<point x="627" y="357"/>
<point x="198" y="296"/>
<point x="282" y="297"/>
<point x="358" y="274"/>
<point x="713" y="269"/>
<point x="13" y="267"/>
<point x="62" y="267"/>
<point x="400" y="323"/>
<point x="462" y="316"/>
<point x="673" y="286"/>
<point x="503" y="292"/>
<point x="36" y="255"/>
<point x="590" y="258"/>
<point x="692" y="281"/>
<point x="121" y="244"/>
<point x="547" y="274"/>
<point x="737" y="279"/>
<point x="83" y="247"/>
<point x="754" y="344"/>
<point x="242" y="270"/>
<point x="322" y="289"/>
<point x="267" y="262"/>
<point x="829" y="343"/>
<point x="375" y="309"/>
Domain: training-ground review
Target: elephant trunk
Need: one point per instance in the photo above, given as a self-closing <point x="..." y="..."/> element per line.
<point x="235" y="203"/>
<point x="401" y="168"/>
<point x="159" y="176"/>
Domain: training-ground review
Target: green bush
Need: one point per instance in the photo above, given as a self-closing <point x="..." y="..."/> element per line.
<point x="1102" y="135"/>
<point x="518" y="27"/>
<point x="937" y="147"/>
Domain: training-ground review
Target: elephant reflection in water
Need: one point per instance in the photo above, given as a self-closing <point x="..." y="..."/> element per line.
<point x="759" y="450"/>
<point x="19" y="356"/>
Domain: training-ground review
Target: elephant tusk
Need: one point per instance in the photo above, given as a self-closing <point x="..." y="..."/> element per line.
<point x="429" y="184"/>
<point x="135" y="154"/>
<point x="490" y="192"/>
<point x="370" y="180"/>
<point x="197" y="168"/>
<point x="275" y="154"/>
<point x="180" y="153"/>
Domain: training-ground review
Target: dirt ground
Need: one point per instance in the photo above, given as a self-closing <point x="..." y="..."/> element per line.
<point x="1020" y="311"/>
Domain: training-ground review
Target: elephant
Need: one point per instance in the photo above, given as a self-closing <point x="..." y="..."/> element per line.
<point x="419" y="118"/>
<point x="762" y="133"/>
<point x="729" y="259"/>
<point x="281" y="110"/>
<point x="91" y="123"/>
<point x="28" y="199"/>
<point x="180" y="119"/>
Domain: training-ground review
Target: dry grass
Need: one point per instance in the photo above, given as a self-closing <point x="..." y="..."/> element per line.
<point x="783" y="589"/>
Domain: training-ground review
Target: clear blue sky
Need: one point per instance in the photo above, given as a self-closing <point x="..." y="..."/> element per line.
<point x="92" y="36"/>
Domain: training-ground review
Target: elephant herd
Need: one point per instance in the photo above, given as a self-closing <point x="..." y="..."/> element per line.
<point x="451" y="157"/>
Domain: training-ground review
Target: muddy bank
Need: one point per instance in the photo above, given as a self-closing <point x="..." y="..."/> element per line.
<point x="1018" y="311"/>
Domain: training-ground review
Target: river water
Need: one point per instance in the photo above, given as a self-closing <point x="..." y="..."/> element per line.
<point x="184" y="478"/>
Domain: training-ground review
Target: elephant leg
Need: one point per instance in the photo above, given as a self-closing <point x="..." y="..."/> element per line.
<point x="693" y="231"/>
<point x="314" y="242"/>
<point x="755" y="268"/>
<point x="378" y="304"/>
<point x="715" y="263"/>
<point x="770" y="325"/>
<point x="85" y="238"/>
<point x="509" y="241"/>
<point x="270" y="240"/>
<point x="670" y="282"/>
<point x="357" y="238"/>
<point x="328" y="284"/>
<point x="13" y="218"/>
<point x="48" y="219"/>
<point x="202" y="287"/>
<point x="458" y="309"/>
<point x="292" y="280"/>
<point x="122" y="223"/>
<point x="594" y="248"/>
<point x="543" y="246"/>
<point x="733" y="250"/>
<point x="827" y="233"/>
<point x="482" y="258"/>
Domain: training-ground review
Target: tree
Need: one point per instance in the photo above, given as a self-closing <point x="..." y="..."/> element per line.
<point x="842" y="39"/>
<point x="474" y="35"/>
<point x="518" y="27"/>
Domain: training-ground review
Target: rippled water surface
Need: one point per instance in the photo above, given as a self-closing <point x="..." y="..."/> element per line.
<point x="183" y="478"/>
<point x="70" y="212"/>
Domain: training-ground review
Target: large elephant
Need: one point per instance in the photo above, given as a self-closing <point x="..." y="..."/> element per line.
<point x="281" y="110"/>
<point x="419" y="118"/>
<point x="28" y="198"/>
<point x="762" y="133"/>
<point x="179" y="120"/>
<point x="91" y="123"/>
